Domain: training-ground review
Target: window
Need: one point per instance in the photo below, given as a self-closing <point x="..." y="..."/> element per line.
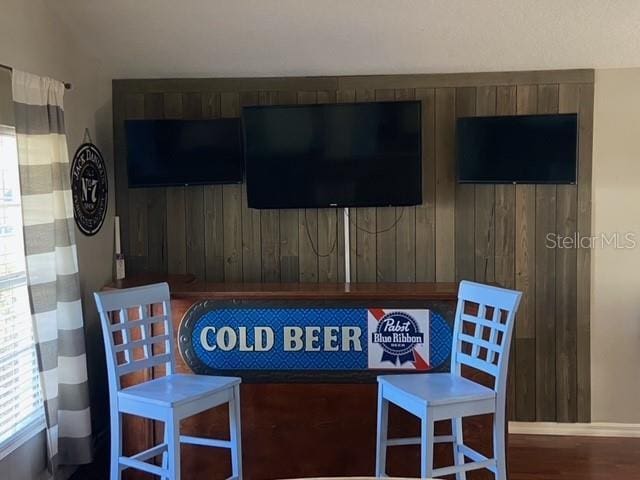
<point x="21" y="410"/>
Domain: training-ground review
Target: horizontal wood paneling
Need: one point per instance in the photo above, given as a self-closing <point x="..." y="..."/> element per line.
<point x="483" y="232"/>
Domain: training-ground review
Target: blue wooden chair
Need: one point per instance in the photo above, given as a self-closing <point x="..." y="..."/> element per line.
<point x="481" y="340"/>
<point x="146" y="342"/>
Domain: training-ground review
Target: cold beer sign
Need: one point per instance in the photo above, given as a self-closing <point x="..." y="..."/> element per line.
<point x="252" y="338"/>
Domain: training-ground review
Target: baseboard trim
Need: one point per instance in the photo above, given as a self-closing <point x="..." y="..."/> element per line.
<point x="576" y="429"/>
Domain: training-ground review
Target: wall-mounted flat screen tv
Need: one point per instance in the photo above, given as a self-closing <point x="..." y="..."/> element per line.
<point x="339" y="155"/>
<point x="183" y="152"/>
<point x="517" y="149"/>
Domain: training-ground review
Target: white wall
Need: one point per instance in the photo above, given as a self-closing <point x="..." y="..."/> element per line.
<point x="32" y="38"/>
<point x="615" y="310"/>
<point x="164" y="38"/>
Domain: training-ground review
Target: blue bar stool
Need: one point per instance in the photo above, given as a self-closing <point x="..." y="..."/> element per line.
<point x="168" y="399"/>
<point x="481" y="340"/>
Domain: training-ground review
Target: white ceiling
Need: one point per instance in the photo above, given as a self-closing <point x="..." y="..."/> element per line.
<point x="178" y="38"/>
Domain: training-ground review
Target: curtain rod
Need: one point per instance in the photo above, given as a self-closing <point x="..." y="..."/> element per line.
<point x="67" y="85"/>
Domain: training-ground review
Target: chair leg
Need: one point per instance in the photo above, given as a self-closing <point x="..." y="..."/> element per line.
<point x="381" y="440"/>
<point x="458" y="439"/>
<point x="165" y="455"/>
<point x="116" y="444"/>
<point x="426" y="447"/>
<point x="499" y="447"/>
<point x="173" y="447"/>
<point x="235" y="434"/>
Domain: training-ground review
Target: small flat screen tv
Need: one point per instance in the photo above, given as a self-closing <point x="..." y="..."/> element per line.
<point x="517" y="149"/>
<point x="335" y="155"/>
<point x="183" y="152"/>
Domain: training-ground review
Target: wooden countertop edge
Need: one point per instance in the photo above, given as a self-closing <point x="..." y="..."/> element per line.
<point x="296" y="295"/>
<point x="187" y="287"/>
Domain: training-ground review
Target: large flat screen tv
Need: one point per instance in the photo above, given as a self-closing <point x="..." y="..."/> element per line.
<point x="339" y="155"/>
<point x="183" y="152"/>
<point x="517" y="149"/>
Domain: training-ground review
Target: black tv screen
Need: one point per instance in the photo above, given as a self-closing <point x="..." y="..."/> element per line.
<point x="517" y="149"/>
<point x="183" y="152"/>
<point x="339" y="155"/>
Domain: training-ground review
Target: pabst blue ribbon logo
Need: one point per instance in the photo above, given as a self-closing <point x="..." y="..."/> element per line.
<point x="398" y="335"/>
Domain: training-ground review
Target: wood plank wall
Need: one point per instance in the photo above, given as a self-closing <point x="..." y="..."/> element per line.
<point x="490" y="233"/>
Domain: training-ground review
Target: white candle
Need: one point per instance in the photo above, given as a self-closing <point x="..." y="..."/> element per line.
<point x="117" y="226"/>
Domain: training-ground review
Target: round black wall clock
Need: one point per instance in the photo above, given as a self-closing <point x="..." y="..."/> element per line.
<point x="89" y="188"/>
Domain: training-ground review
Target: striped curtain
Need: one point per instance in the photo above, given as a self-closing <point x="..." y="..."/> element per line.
<point x="52" y="267"/>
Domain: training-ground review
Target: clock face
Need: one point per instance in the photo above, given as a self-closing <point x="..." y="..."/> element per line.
<point x="89" y="188"/>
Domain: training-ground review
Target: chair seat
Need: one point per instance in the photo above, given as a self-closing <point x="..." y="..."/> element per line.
<point x="438" y="388"/>
<point x="177" y="389"/>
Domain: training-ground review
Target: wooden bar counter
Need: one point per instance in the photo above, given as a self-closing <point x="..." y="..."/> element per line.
<point x="301" y="424"/>
<point x="186" y="287"/>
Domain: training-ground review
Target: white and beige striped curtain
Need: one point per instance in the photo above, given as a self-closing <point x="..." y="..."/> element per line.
<point x="52" y="266"/>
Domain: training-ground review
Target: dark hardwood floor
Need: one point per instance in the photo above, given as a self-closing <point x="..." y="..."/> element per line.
<point x="531" y="457"/>
<point x="573" y="458"/>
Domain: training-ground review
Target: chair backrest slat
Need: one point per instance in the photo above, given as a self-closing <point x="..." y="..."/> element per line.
<point x="136" y="323"/>
<point x="145" y="332"/>
<point x="138" y="365"/>
<point x="114" y="327"/>
<point x="483" y="329"/>
<point x="493" y="336"/>
<point x="478" y="329"/>
<point x="127" y="298"/>
<point x="144" y="343"/>
<point x="485" y="323"/>
<point x="480" y="343"/>
<point x="478" y="364"/>
<point x="123" y="318"/>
